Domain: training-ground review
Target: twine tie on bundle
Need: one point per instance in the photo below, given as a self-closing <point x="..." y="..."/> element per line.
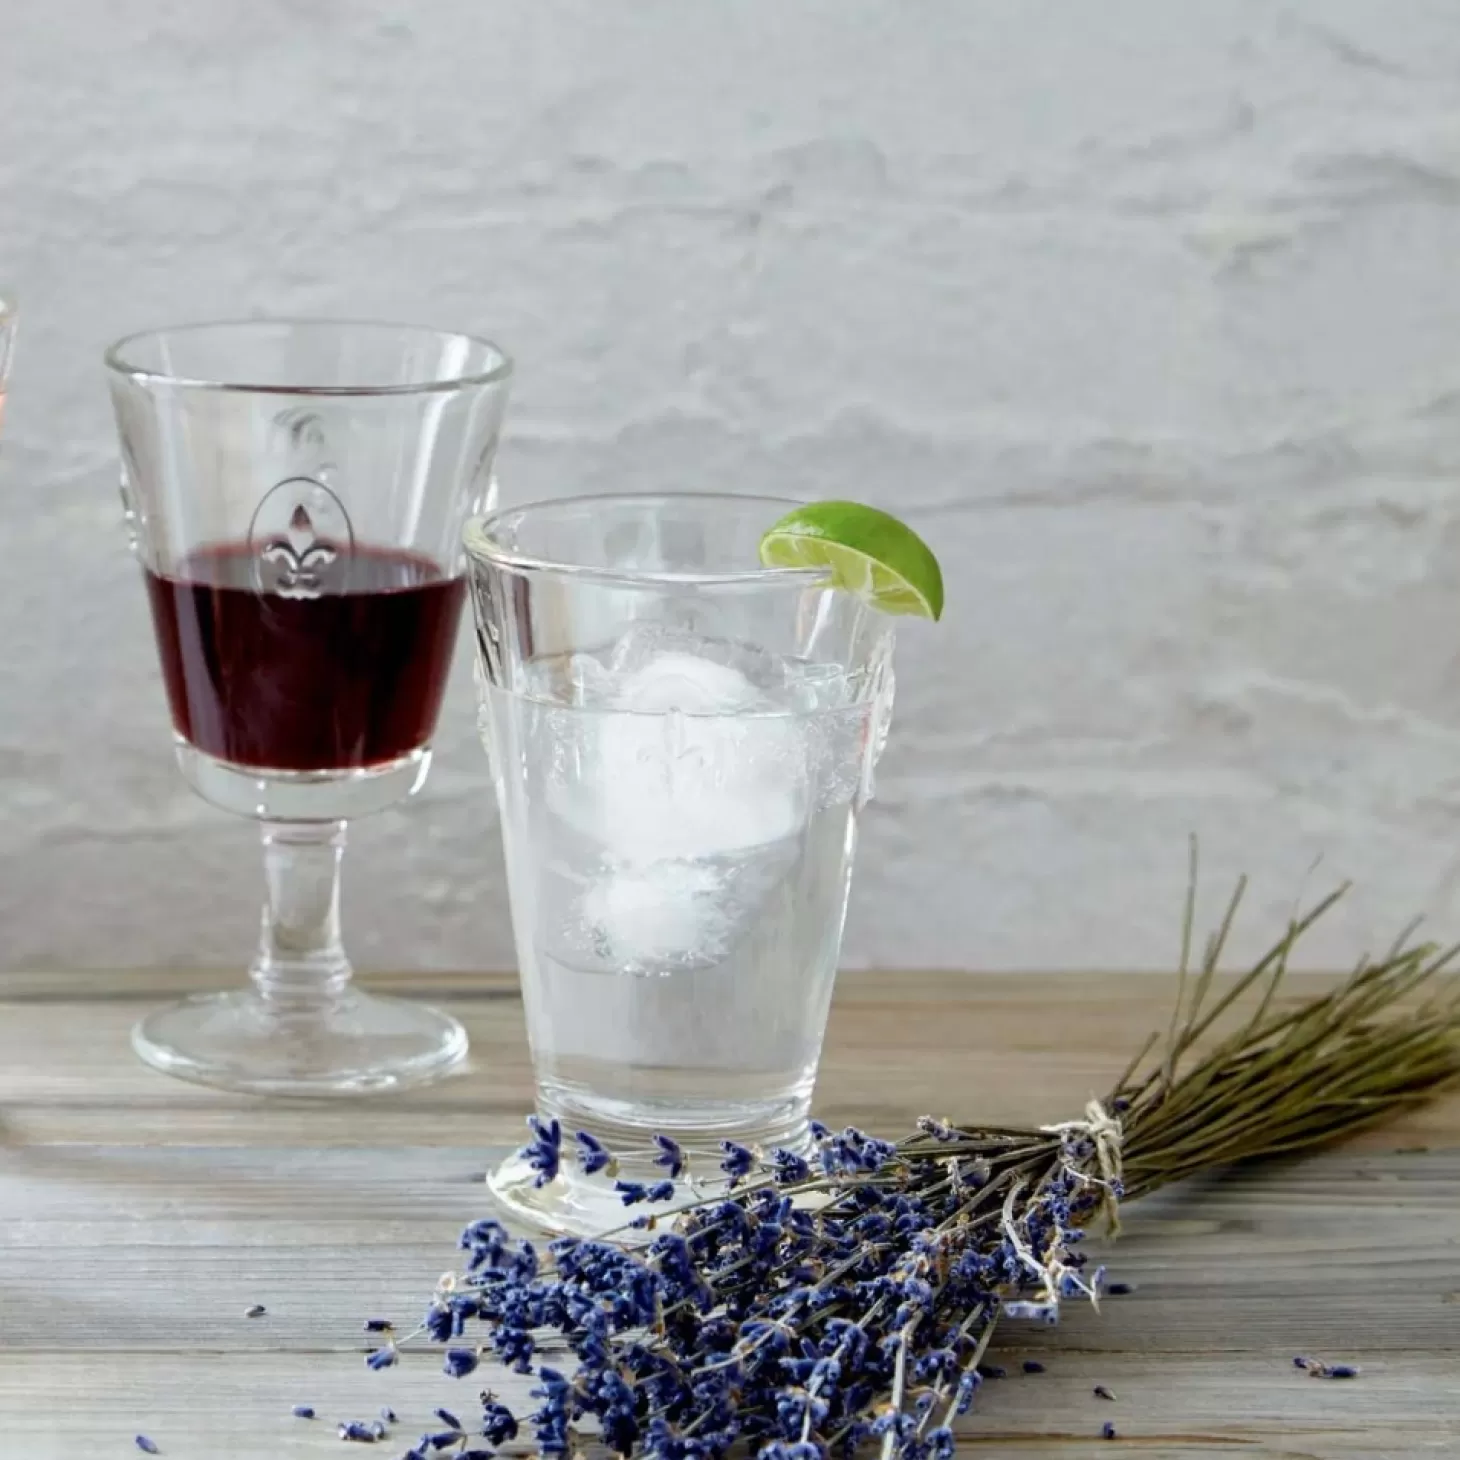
<point x="1107" y="1135"/>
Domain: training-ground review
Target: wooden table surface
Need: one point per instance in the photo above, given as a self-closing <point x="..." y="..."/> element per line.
<point x="140" y="1218"/>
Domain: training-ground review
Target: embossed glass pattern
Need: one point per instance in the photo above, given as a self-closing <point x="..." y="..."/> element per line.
<point x="295" y="492"/>
<point x="681" y="743"/>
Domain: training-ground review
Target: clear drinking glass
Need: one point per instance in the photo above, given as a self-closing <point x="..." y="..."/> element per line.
<point x="681" y="742"/>
<point x="295" y="491"/>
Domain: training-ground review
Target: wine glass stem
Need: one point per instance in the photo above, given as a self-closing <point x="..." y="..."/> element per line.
<point x="301" y="963"/>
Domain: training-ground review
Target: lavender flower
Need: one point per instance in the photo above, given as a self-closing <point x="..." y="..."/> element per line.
<point x="593" y="1155"/>
<point x="750" y="1321"/>
<point x="458" y="1363"/>
<point x="1047" y="1313"/>
<point x="544" y="1153"/>
<point x="670" y="1156"/>
<point x="940" y="1130"/>
<point x="1318" y="1369"/>
<point x="739" y="1160"/>
<point x="498" y="1422"/>
<point x="790" y="1169"/>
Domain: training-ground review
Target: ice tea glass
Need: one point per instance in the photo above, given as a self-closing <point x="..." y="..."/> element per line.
<point x="681" y="742"/>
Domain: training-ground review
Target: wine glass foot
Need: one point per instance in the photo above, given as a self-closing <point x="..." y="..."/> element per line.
<point x="358" y="1044"/>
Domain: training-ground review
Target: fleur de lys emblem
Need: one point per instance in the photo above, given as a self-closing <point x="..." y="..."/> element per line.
<point x="300" y="556"/>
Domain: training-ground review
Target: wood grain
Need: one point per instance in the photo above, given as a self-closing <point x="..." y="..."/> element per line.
<point x="139" y="1219"/>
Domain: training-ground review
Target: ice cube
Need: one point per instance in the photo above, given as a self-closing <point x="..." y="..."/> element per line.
<point x="647" y="643"/>
<point x="680" y="756"/>
<point x="694" y="765"/>
<point x="683" y="785"/>
<point x="589" y="681"/>
<point x="665" y="917"/>
<point x="692" y="683"/>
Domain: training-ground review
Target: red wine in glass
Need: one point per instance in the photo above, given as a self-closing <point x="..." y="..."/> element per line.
<point x="346" y="679"/>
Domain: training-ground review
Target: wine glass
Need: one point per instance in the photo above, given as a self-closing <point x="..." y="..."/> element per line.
<point x="295" y="491"/>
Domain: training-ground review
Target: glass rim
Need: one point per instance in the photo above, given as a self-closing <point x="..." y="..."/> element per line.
<point x="114" y="358"/>
<point x="482" y="546"/>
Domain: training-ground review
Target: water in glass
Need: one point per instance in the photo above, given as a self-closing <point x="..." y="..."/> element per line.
<point x="690" y="803"/>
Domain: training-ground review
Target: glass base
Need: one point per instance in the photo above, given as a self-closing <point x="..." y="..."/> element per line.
<point x="576" y="1205"/>
<point x="355" y="1044"/>
<point x="587" y="1206"/>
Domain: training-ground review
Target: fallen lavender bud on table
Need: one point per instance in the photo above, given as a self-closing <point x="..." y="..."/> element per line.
<point x="1317" y="1369"/>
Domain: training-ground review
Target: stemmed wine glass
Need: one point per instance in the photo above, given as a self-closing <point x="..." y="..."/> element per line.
<point x="295" y="491"/>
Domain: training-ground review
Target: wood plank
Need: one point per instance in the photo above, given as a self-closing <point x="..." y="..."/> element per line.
<point x="1005" y="1048"/>
<point x="139" y="1218"/>
<point x="1310" y="1257"/>
<point x="205" y="1406"/>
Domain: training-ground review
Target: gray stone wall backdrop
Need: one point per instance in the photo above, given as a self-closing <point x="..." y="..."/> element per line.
<point x="1147" y="313"/>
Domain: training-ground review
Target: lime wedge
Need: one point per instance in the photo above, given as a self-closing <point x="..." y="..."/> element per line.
<point x="865" y="551"/>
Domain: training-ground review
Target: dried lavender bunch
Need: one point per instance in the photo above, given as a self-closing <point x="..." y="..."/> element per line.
<point x="822" y="1305"/>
